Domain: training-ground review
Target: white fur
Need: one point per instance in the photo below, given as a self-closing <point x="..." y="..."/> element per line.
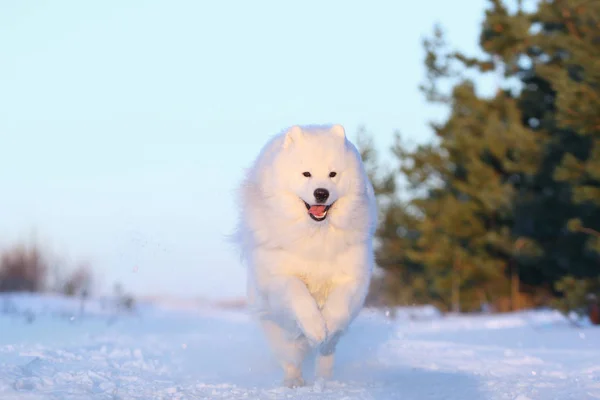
<point x="307" y="280"/>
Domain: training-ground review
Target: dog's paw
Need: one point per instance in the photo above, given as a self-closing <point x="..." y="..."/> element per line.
<point x="314" y="328"/>
<point x="293" y="382"/>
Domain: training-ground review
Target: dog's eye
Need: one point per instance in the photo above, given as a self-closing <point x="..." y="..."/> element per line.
<point x="332" y="174"/>
<point x="306" y="174"/>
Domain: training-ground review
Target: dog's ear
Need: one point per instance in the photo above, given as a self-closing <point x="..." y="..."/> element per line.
<point x="293" y="135"/>
<point x="339" y="131"/>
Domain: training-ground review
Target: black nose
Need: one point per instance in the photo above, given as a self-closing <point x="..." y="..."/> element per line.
<point x="321" y="195"/>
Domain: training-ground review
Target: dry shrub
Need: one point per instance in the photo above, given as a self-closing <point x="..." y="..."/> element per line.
<point x="79" y="283"/>
<point x="27" y="268"/>
<point x="23" y="269"/>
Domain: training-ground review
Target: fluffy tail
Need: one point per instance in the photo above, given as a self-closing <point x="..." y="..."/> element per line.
<point x="240" y="241"/>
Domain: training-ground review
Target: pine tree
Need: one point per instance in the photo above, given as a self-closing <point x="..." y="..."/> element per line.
<point x="576" y="81"/>
<point x="555" y="51"/>
<point x="402" y="283"/>
<point x="507" y="175"/>
<point x="466" y="241"/>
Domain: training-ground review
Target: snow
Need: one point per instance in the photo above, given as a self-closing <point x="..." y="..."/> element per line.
<point x="52" y="349"/>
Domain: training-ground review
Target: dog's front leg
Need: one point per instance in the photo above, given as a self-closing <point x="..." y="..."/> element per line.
<point x="288" y="296"/>
<point x="342" y="305"/>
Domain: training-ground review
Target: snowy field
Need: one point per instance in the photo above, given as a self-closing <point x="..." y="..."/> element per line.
<point x="49" y="350"/>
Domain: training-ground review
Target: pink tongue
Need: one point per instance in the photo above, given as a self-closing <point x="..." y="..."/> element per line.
<point x="316" y="210"/>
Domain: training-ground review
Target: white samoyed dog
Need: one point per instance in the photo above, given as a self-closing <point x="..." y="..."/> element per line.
<point x="308" y="216"/>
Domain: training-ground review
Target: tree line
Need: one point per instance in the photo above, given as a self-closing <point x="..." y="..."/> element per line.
<point x="504" y="207"/>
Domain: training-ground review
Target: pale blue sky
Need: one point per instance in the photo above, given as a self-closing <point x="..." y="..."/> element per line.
<point x="125" y="125"/>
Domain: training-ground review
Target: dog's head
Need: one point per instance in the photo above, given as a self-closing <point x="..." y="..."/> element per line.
<point x="318" y="169"/>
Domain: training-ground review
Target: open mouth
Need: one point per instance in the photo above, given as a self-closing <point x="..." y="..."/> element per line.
<point x="317" y="212"/>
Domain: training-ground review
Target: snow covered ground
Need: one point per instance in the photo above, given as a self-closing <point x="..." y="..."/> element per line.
<point x="49" y="350"/>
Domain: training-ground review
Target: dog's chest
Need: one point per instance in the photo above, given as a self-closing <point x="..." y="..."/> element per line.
<point x="321" y="282"/>
<point x="319" y="288"/>
<point x="322" y="275"/>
